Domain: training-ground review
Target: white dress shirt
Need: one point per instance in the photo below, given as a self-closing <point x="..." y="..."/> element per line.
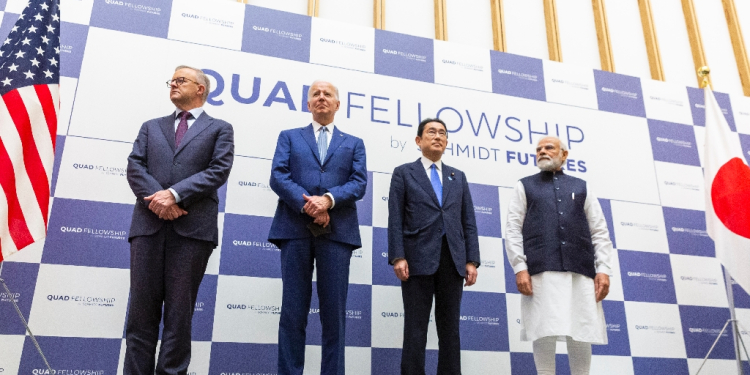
<point x="195" y="112"/>
<point x="427" y="163"/>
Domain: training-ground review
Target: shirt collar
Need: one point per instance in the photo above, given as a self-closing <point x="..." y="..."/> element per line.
<point x="317" y="126"/>
<point x="196" y="112"/>
<point x="427" y="163"/>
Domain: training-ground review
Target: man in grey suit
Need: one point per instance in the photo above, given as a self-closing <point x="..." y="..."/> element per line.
<point x="433" y="246"/>
<point x="177" y="165"/>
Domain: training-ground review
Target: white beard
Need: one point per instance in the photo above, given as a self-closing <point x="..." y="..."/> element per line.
<point x="550" y="165"/>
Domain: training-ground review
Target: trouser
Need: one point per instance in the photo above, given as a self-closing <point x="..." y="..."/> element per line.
<point x="331" y="259"/>
<point x="417" y="292"/>
<point x="579" y="356"/>
<point x="166" y="270"/>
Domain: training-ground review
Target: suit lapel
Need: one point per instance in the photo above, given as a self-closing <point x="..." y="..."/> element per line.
<point x="201" y="123"/>
<point x="419" y="174"/>
<point x="337" y="138"/>
<point x="167" y="127"/>
<point x="447" y="182"/>
<point x="308" y="133"/>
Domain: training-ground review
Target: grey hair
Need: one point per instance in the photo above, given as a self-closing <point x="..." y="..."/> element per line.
<point x="335" y="89"/>
<point x="562" y="144"/>
<point x="202" y="79"/>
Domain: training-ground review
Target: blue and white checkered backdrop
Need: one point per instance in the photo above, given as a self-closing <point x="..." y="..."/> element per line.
<point x="635" y="141"/>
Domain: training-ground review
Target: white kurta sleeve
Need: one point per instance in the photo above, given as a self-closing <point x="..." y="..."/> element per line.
<point x="513" y="234"/>
<point x="603" y="250"/>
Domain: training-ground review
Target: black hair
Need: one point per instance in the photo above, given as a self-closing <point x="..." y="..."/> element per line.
<point x="426" y="121"/>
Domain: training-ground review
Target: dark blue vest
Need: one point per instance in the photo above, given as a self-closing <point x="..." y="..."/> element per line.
<point x="556" y="235"/>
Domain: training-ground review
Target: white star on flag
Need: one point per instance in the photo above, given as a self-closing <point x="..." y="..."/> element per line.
<point x="29" y="104"/>
<point x="53" y="62"/>
<point x="45" y="40"/>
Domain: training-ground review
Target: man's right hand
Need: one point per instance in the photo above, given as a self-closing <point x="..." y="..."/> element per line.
<point x="401" y="268"/>
<point x="523" y="282"/>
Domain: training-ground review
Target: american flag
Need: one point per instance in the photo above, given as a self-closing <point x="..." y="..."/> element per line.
<point x="29" y="86"/>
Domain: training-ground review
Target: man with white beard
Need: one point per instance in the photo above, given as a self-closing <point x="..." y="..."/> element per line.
<point x="558" y="245"/>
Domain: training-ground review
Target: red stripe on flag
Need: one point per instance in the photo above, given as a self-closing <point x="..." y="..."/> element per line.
<point x="19" y="231"/>
<point x="48" y="107"/>
<point x="34" y="166"/>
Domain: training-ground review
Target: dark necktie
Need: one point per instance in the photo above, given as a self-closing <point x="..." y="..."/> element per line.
<point x="181" y="128"/>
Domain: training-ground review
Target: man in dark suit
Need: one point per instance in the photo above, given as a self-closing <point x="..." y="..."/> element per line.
<point x="177" y="164"/>
<point x="433" y="247"/>
<point x="319" y="173"/>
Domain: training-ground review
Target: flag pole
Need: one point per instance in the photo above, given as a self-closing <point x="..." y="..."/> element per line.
<point x="23" y="320"/>
<point x="733" y="316"/>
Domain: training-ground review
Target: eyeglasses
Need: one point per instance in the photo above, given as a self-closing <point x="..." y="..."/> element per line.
<point x="432" y="133"/>
<point x="179" y="81"/>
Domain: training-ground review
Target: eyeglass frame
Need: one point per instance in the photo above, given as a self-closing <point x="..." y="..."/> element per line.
<point x="437" y="133"/>
<point x="169" y="82"/>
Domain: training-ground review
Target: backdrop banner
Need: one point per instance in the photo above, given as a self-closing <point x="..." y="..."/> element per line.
<point x="637" y="142"/>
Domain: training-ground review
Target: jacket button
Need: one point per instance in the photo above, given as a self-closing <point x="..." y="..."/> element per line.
<point x="559" y="200"/>
<point x="562" y="228"/>
<point x="560" y="212"/>
<point x="563" y="242"/>
<point x="557" y="188"/>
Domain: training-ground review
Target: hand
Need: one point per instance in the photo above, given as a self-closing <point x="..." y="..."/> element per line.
<point x="601" y="285"/>
<point x="471" y="274"/>
<point x="172" y="212"/>
<point x="523" y="282"/>
<point x="160" y="201"/>
<point x="316" y="204"/>
<point x="401" y="268"/>
<point x="323" y="219"/>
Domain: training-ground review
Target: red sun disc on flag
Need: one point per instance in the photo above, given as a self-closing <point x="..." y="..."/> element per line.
<point x="730" y="195"/>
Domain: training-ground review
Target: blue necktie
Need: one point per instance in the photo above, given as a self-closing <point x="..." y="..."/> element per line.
<point x="323" y="144"/>
<point x="436" y="185"/>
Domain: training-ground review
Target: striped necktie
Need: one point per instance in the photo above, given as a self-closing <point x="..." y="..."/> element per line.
<point x="323" y="143"/>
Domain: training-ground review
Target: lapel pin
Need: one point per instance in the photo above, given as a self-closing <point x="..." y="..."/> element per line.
<point x="450" y="178"/>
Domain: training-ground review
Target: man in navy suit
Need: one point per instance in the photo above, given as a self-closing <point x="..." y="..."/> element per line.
<point x="319" y="173"/>
<point x="433" y="247"/>
<point x="177" y="164"/>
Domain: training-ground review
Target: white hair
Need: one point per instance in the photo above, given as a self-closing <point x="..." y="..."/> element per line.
<point x="335" y="89"/>
<point x="562" y="144"/>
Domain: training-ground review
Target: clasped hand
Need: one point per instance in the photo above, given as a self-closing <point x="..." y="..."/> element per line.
<point x="317" y="207"/>
<point x="163" y="204"/>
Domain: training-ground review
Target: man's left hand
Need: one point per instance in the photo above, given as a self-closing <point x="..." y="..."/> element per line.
<point x="601" y="285"/>
<point x="471" y="274"/>
<point x="316" y="204"/>
<point x="160" y="201"/>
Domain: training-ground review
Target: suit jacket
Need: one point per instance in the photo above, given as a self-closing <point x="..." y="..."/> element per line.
<point x="416" y="222"/>
<point x="297" y="169"/>
<point x="195" y="170"/>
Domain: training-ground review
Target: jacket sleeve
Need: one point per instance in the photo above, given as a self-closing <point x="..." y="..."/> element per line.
<point x="141" y="182"/>
<point x="216" y="174"/>
<point x="354" y="189"/>
<point x="469" y="223"/>
<point x="281" y="182"/>
<point x="396" y="201"/>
